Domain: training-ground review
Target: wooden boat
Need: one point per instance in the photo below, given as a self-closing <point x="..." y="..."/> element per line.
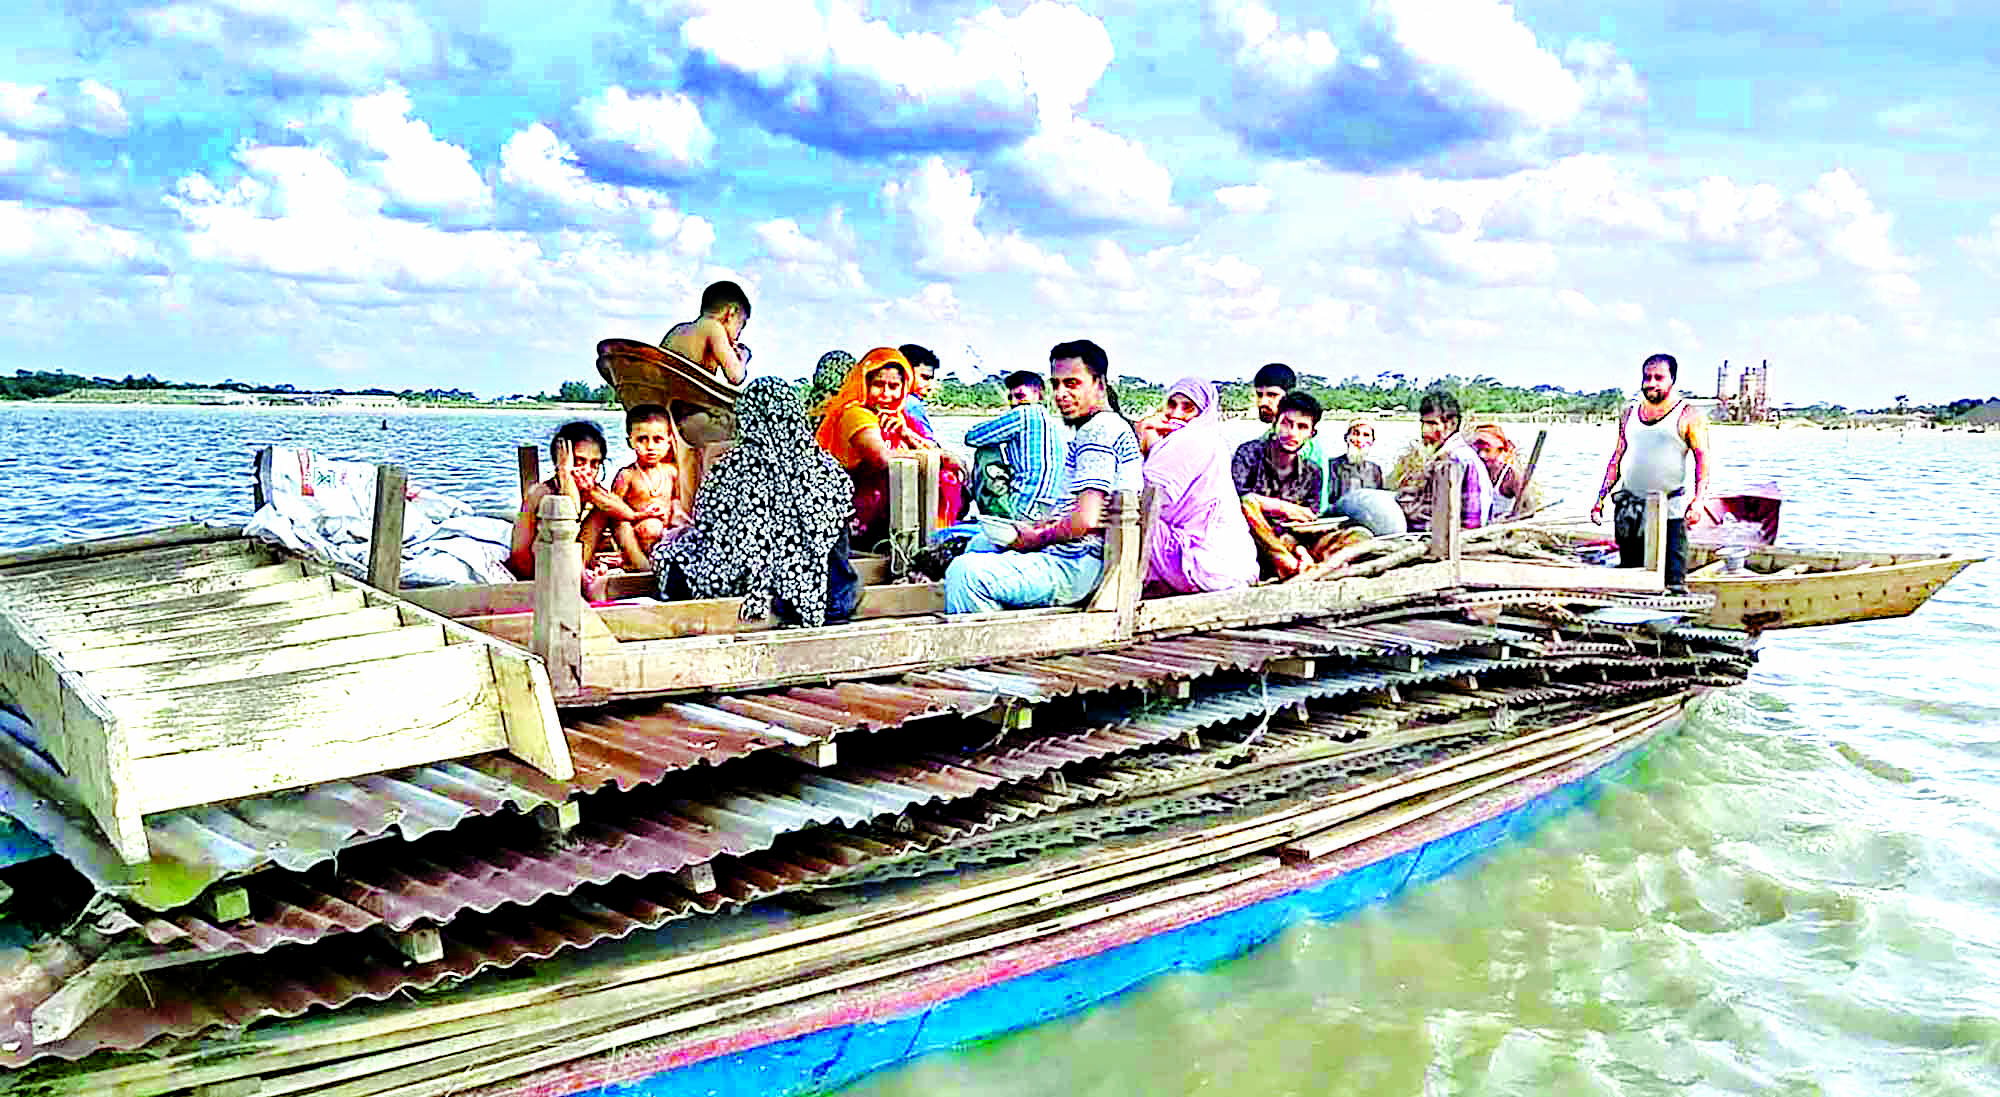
<point x="1799" y="587"/>
<point x="701" y="402"/>
<point x="781" y="858"/>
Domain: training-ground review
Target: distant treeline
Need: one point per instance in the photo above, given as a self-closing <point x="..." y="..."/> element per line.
<point x="1386" y="392"/>
<point x="43" y="384"/>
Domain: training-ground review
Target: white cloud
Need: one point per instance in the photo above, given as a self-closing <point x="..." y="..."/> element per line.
<point x="401" y="156"/>
<point x="62" y="239"/>
<point x="349" y="45"/>
<point x="1110" y="266"/>
<point x="1095" y="175"/>
<point x="1930" y="118"/>
<point x="82" y="104"/>
<point x="22" y="158"/>
<point x="295" y="214"/>
<point x="818" y="270"/>
<point x="1855" y="230"/>
<point x="541" y="168"/>
<point x="1476" y="52"/>
<point x="1588" y="196"/>
<point x="662" y="135"/>
<point x="1448" y="248"/>
<point x="943" y="205"/>
<point x="832" y="77"/>
<point x="1247" y="198"/>
<point x="1985" y="250"/>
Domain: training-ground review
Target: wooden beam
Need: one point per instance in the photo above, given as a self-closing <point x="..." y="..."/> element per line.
<point x="557" y="820"/>
<point x="696" y="879"/>
<point x="528" y="461"/>
<point x="1448" y="516"/>
<point x="817" y="755"/>
<point x="558" y="621"/>
<point x="416" y="946"/>
<point x="930" y="489"/>
<point x="65" y="1011"/>
<point x="1009" y="716"/>
<point x="905" y="508"/>
<point x="385" y="530"/>
<point x="232" y="641"/>
<point x="1524" y="575"/>
<point x="213" y="669"/>
<point x="1124" y="563"/>
<point x="225" y="903"/>
<point x="1656" y="536"/>
<point x="1288" y="601"/>
<point x="1292" y="668"/>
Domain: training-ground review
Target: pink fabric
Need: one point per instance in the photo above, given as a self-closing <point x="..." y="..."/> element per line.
<point x="1199" y="540"/>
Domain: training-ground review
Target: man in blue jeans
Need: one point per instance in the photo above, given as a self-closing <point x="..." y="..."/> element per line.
<point x="1058" y="561"/>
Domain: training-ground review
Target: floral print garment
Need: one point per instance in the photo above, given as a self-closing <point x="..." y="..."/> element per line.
<point x="827" y="377"/>
<point x="767" y="515"/>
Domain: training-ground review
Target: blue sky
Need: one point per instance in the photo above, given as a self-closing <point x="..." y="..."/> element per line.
<point x="471" y="193"/>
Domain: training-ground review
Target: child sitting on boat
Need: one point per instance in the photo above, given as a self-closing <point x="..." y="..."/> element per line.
<point x="711" y="339"/>
<point x="577" y="478"/>
<point x="650" y="487"/>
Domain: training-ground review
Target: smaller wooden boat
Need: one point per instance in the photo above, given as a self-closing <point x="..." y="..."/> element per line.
<point x="1797" y="587"/>
<point x="702" y="403"/>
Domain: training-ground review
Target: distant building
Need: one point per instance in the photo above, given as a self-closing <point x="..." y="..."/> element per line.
<point x="1751" y="402"/>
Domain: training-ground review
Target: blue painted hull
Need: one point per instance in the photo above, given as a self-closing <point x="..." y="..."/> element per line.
<point x="836" y="1056"/>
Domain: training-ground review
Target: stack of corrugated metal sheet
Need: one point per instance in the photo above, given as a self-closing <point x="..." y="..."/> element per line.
<point x="697" y="815"/>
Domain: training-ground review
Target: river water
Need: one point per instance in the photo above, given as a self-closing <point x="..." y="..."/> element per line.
<point x="1798" y="894"/>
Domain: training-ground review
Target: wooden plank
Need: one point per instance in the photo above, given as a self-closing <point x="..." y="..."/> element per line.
<point x="557" y="820"/>
<point x="1292" y="668"/>
<point x="1655" y="531"/>
<point x="1448" y="517"/>
<point x="179" y="610"/>
<point x="191" y="533"/>
<point x="211" y="743"/>
<point x="558" y="621"/>
<point x="73" y="1003"/>
<point x="716" y="663"/>
<point x="930" y="467"/>
<point x="1121" y="549"/>
<point x="713" y="616"/>
<point x="229" y="641"/>
<point x="1525" y="575"/>
<point x="696" y="879"/>
<point x="872" y="570"/>
<point x="111" y="576"/>
<point x="1287" y="601"/>
<point x="476" y="599"/>
<point x="74" y="726"/>
<point x="242" y="617"/>
<point x="180" y="586"/>
<point x="232" y="666"/>
<point x="528" y="707"/>
<point x="905" y="509"/>
<point x="385" y="529"/>
<point x="817" y="755"/>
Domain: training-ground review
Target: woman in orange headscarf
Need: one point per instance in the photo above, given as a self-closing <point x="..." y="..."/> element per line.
<point x="863" y="423"/>
<point x="1503" y="463"/>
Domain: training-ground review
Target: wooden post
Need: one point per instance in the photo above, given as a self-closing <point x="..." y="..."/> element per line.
<point x="1656" y="535"/>
<point x="1124" y="560"/>
<point x="1448" y="516"/>
<point x="558" y="632"/>
<point x="1528" y="474"/>
<point x="529" y="460"/>
<point x="905" y="509"/>
<point x="930" y="489"/>
<point x="385" y="537"/>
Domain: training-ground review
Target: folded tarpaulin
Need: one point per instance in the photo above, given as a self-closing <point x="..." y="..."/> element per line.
<point x="325" y="509"/>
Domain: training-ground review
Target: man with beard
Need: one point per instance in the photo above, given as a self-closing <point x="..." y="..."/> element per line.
<point x="1438" y="419"/>
<point x="1354" y="468"/>
<point x="1656" y="436"/>
<point x="1279" y="487"/>
<point x="1057" y="561"/>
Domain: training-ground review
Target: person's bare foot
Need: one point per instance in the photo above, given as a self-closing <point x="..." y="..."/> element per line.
<point x="597" y="584"/>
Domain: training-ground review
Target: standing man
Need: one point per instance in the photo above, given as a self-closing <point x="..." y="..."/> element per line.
<point x="923" y="379"/>
<point x="1017" y="457"/>
<point x="1656" y="436"/>
<point x="1058" y="560"/>
<point x="1269" y="385"/>
<point x="1438" y="421"/>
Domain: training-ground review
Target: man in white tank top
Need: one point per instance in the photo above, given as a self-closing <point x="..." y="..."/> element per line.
<point x="1656" y="436"/>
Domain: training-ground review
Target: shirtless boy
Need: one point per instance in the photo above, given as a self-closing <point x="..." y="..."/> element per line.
<point x="649" y="487"/>
<point x="578" y="480"/>
<point x="711" y="339"/>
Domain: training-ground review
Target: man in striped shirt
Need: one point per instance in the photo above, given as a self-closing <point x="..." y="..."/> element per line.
<point x="1439" y="419"/>
<point x="1028" y="443"/>
<point x="1058" y="561"/>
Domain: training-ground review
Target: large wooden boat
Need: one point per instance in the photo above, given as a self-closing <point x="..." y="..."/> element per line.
<point x="1776" y="587"/>
<point x="755" y="859"/>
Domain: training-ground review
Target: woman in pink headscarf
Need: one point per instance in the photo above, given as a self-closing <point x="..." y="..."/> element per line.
<point x="1199" y="540"/>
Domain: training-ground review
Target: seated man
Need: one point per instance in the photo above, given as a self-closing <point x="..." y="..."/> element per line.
<point x="1280" y="488"/>
<point x="923" y="379"/>
<point x="1354" y="468"/>
<point x="1439" y="418"/>
<point x="1022" y="450"/>
<point x="1269" y="385"/>
<point x="1059" y="560"/>
<point x="711" y="339"/>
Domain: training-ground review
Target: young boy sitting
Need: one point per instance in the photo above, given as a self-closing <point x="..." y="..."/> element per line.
<point x="649" y="488"/>
<point x="578" y="480"/>
<point x="711" y="339"/>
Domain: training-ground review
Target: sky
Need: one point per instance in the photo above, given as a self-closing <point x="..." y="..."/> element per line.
<point x="472" y="193"/>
